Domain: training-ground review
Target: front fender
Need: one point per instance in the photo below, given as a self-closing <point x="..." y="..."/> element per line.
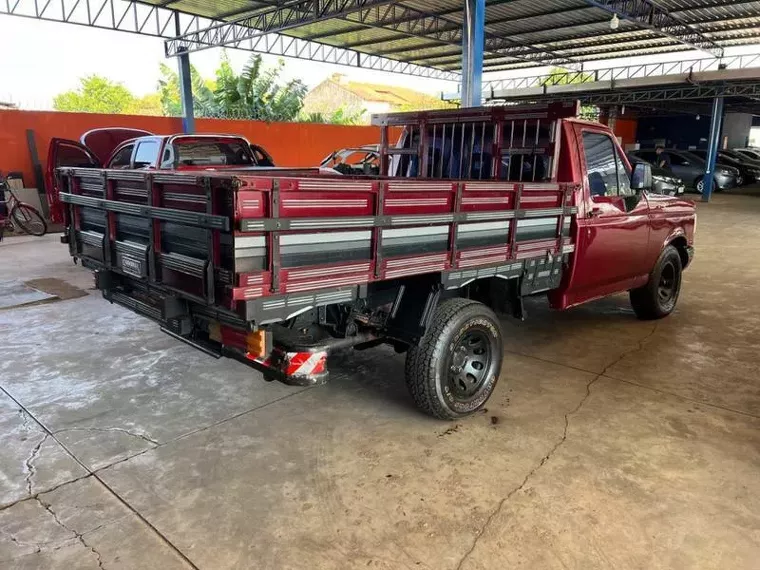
<point x="680" y="239"/>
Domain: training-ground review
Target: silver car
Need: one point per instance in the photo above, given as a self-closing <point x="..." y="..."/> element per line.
<point x="691" y="169"/>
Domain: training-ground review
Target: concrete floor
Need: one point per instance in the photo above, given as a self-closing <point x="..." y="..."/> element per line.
<point x="609" y="442"/>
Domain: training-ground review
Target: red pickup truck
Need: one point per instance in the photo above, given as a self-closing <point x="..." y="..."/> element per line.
<point x="134" y="149"/>
<point x="476" y="209"/>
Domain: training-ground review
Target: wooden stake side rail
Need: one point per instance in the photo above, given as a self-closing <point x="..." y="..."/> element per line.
<point x="254" y="244"/>
<point x="335" y="233"/>
<point x="484" y="143"/>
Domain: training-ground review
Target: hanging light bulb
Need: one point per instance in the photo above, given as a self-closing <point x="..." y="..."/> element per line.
<point x="698" y="117"/>
<point x="614" y="22"/>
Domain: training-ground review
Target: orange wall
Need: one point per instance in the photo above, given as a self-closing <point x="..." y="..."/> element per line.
<point x="290" y="144"/>
<point x="624" y="128"/>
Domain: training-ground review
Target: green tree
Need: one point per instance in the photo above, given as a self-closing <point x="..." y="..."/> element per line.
<point x="171" y="102"/>
<point x="147" y="105"/>
<point x="257" y="93"/>
<point x="95" y="94"/>
<point x="338" y="117"/>
<point x="559" y="76"/>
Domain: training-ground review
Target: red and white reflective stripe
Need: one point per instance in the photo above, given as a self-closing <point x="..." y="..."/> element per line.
<point x="305" y="363"/>
<point x="295" y="363"/>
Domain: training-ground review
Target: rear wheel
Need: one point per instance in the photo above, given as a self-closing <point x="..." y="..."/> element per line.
<point x="658" y="298"/>
<point x="454" y="369"/>
<point x="29" y="220"/>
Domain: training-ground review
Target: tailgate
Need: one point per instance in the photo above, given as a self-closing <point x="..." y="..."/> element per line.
<point x="170" y="230"/>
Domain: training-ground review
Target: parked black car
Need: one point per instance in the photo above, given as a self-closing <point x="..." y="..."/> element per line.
<point x="749" y="169"/>
<point x="751" y="153"/>
<point x="663" y="181"/>
<point x="691" y="169"/>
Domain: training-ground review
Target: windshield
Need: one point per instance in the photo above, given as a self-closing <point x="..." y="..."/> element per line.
<point x="356" y="161"/>
<point x="213" y="153"/>
<point x="732" y="154"/>
<point x="691" y="156"/>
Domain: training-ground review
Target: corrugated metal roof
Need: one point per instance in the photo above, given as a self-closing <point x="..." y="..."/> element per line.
<point x="524" y="30"/>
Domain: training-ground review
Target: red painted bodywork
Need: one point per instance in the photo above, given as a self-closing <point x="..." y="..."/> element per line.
<point x="614" y="249"/>
<point x="165" y="140"/>
<point x="102" y="142"/>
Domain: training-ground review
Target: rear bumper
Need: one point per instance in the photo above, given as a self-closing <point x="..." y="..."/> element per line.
<point x="296" y="359"/>
<point x="292" y="368"/>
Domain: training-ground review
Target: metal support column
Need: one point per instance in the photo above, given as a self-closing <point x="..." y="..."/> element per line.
<point x="186" y="93"/>
<point x="185" y="84"/>
<point x="473" y="39"/>
<point x="712" y="147"/>
<point x="612" y="117"/>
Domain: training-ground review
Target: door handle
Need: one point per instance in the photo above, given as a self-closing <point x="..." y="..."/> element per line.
<point x="594" y="212"/>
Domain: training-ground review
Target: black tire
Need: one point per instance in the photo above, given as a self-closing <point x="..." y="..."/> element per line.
<point x="28" y="219"/>
<point x="658" y="298"/>
<point x="453" y="370"/>
<point x="699" y="185"/>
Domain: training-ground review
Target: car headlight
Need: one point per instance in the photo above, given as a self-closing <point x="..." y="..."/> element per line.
<point x="724" y="172"/>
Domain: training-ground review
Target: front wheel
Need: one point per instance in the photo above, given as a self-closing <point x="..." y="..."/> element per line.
<point x="453" y="370"/>
<point x="28" y="219"/>
<point x="658" y="298"/>
<point x="700" y="185"/>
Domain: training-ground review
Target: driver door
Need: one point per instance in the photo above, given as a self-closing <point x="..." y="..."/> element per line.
<point x="613" y="221"/>
<point x="63" y="152"/>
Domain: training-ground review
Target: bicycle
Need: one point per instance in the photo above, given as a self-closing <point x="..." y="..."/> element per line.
<point x="16" y="214"/>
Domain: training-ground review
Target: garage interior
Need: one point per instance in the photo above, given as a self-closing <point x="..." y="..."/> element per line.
<point x="609" y="442"/>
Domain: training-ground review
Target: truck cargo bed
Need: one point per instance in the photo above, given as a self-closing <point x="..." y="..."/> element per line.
<point x="265" y="248"/>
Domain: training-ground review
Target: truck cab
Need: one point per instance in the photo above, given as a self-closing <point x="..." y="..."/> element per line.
<point x="619" y="217"/>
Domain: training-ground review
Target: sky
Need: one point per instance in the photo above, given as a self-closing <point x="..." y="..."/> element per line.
<point x="40" y="59"/>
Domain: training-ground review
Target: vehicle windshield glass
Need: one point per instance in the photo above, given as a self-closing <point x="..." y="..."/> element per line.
<point x="354" y="157"/>
<point x="354" y="161"/>
<point x="71" y="155"/>
<point x="690" y="156"/>
<point x="213" y="153"/>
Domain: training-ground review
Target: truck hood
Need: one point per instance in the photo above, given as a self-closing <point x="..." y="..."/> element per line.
<point x="102" y="142"/>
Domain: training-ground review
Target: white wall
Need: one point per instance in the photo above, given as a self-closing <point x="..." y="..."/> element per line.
<point x="754" y="136"/>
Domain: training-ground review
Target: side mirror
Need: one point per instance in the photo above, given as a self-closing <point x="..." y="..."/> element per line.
<point x="641" y="178"/>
